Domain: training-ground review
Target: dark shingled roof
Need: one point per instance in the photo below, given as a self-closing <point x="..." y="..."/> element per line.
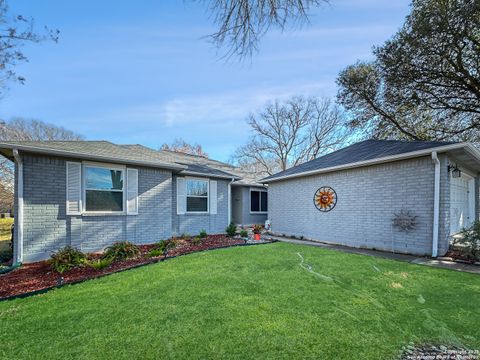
<point x="127" y="154"/>
<point x="362" y="151"/>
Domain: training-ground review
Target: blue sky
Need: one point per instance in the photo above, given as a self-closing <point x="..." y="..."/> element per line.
<point x="141" y="71"/>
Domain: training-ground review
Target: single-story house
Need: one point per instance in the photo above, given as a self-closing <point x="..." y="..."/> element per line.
<point x="89" y="194"/>
<point x="401" y="196"/>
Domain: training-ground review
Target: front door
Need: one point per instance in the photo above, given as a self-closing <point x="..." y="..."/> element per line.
<point x="462" y="202"/>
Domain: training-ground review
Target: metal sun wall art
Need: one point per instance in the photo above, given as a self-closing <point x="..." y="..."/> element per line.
<point x="405" y="220"/>
<point x="325" y="199"/>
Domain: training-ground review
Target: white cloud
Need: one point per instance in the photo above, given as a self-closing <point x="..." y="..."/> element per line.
<point x="214" y="108"/>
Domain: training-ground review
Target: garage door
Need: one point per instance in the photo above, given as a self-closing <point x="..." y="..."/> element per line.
<point x="462" y="202"/>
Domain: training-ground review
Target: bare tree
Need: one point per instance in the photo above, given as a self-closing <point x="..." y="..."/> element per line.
<point x="242" y="23"/>
<point x="19" y="129"/>
<point x="15" y="32"/>
<point x="290" y="133"/>
<point x="181" y="146"/>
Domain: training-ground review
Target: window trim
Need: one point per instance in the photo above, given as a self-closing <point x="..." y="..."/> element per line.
<point x="207" y="180"/>
<point x="91" y="164"/>
<point x="259" y="201"/>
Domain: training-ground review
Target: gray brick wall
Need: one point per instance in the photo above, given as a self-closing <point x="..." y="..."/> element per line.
<point x="241" y="207"/>
<point x="194" y="223"/>
<point x="368" y="197"/>
<point x="44" y="223"/>
<point x="48" y="228"/>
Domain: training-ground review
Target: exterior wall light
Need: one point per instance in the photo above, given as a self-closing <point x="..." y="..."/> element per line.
<point x="456" y="172"/>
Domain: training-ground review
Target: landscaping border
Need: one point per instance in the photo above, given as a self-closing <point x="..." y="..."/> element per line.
<point x="153" y="261"/>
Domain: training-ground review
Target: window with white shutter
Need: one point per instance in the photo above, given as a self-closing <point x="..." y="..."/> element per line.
<point x="181" y="196"/>
<point x="104" y="187"/>
<point x="132" y="191"/>
<point x="213" y="197"/>
<point x="74" y="188"/>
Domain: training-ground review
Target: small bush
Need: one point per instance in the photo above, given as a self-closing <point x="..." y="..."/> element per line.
<point x="471" y="240"/>
<point x="67" y="258"/>
<point x="99" y="264"/>
<point x="231" y="229"/>
<point x="243" y="233"/>
<point x="6" y="255"/>
<point x="155" y="252"/>
<point x="121" y="250"/>
<point x="197" y="240"/>
<point x="165" y="245"/>
<point x="185" y="236"/>
<point x="203" y="234"/>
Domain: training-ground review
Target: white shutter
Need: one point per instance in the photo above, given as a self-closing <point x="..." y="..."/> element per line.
<point x="74" y="188"/>
<point x="213" y="197"/>
<point x="181" y="196"/>
<point x="132" y="191"/>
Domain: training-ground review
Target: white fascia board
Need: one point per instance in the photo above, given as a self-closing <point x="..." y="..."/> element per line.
<point x="72" y="154"/>
<point x="472" y="150"/>
<point x="385" y="159"/>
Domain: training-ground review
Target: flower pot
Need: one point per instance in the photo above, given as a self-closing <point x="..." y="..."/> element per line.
<point x="256" y="237"/>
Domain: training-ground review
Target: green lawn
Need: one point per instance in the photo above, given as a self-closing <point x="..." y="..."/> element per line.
<point x="257" y="302"/>
<point x="5" y="235"/>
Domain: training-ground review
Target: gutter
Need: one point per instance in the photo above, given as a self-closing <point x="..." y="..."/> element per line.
<point x="230" y="201"/>
<point x="468" y="147"/>
<point x="436" y="204"/>
<point x="18" y="244"/>
<point x="213" y="176"/>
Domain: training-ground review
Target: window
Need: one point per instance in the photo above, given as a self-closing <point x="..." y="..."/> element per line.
<point x="258" y="201"/>
<point x="197" y="195"/>
<point x="104" y="189"/>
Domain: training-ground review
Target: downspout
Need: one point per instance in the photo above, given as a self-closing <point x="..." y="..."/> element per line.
<point x="436" y="204"/>
<point x="18" y="246"/>
<point x="230" y="201"/>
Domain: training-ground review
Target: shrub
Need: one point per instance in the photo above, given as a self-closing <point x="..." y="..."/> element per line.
<point x="203" y="234"/>
<point x="155" y="252"/>
<point x="165" y="245"/>
<point x="231" y="229"/>
<point x="471" y="240"/>
<point x="6" y="255"/>
<point x="99" y="264"/>
<point x="243" y="233"/>
<point x="67" y="258"/>
<point x="197" y="240"/>
<point x="121" y="250"/>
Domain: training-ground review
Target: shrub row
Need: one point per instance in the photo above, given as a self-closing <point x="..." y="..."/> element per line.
<point x="69" y="258"/>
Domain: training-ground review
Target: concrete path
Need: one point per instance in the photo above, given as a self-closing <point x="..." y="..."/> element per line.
<point x="440" y="263"/>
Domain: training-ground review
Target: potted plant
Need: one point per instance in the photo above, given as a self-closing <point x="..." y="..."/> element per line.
<point x="257" y="229"/>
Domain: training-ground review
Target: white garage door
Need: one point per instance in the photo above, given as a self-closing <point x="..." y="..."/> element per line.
<point x="462" y="202"/>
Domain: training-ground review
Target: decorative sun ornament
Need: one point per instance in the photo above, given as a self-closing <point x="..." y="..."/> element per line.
<point x="325" y="199"/>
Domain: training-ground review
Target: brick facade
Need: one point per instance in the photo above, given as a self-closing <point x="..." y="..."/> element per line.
<point x="47" y="227"/>
<point x="368" y="198"/>
<point x="194" y="223"/>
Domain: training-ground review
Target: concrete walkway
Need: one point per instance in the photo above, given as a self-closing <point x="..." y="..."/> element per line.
<point x="440" y="263"/>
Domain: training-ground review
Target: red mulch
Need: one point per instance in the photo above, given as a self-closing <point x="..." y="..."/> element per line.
<point x="40" y="275"/>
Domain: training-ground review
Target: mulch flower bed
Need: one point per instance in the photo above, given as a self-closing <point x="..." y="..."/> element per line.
<point x="40" y="275"/>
